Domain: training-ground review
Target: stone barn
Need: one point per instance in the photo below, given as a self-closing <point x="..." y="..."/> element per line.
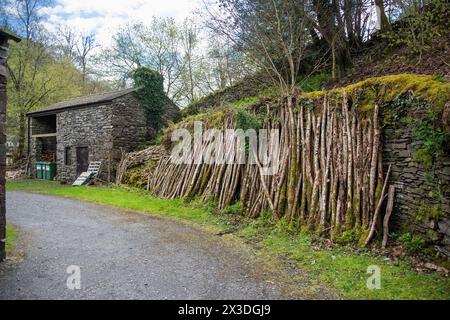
<point x="97" y="127"/>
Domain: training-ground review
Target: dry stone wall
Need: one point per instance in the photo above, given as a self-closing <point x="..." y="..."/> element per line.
<point x="107" y="131"/>
<point x="422" y="202"/>
<point x="89" y="127"/>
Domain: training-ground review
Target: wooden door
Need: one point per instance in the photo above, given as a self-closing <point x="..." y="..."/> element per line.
<point x="82" y="159"/>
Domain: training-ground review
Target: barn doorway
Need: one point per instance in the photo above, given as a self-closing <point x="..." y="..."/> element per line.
<point x="82" y="159"/>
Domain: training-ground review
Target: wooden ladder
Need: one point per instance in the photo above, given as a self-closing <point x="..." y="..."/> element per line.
<point x="92" y="171"/>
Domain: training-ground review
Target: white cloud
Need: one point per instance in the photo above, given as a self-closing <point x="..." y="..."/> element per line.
<point x="104" y="17"/>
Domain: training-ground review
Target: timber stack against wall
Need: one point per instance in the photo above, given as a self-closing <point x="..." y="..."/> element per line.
<point x="339" y="155"/>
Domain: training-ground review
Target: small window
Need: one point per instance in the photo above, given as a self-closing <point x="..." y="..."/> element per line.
<point x="67" y="157"/>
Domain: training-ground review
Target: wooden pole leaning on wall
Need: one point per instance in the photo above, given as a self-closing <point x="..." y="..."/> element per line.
<point x="378" y="208"/>
<point x="387" y="216"/>
<point x="4" y="38"/>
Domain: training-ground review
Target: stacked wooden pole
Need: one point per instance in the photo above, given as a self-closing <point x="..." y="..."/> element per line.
<point x="329" y="176"/>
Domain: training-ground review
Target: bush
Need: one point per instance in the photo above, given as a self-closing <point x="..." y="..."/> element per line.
<point x="314" y="82"/>
<point x="246" y="120"/>
<point x="412" y="243"/>
<point x="421" y="27"/>
<point x="235" y="209"/>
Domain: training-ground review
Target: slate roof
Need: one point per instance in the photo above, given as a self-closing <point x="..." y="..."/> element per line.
<point x="90" y="100"/>
<point x="8" y="35"/>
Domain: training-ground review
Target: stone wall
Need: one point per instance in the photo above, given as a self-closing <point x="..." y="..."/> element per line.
<point x="87" y="127"/>
<point x="41" y="125"/>
<point x="130" y="128"/>
<point x="172" y="112"/>
<point x="106" y="130"/>
<point x="422" y="202"/>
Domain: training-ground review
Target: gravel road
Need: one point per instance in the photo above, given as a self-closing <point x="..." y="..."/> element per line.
<point x="123" y="255"/>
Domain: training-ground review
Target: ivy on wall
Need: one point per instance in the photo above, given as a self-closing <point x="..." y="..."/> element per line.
<point x="428" y="128"/>
<point x="150" y="91"/>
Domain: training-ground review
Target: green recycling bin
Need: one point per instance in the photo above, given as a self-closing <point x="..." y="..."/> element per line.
<point x="38" y="168"/>
<point x="49" y="171"/>
<point x="45" y="170"/>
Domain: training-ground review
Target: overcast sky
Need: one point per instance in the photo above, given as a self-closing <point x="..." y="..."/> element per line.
<point x="103" y="17"/>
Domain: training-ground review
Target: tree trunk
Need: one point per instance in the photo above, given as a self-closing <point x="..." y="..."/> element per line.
<point x="22" y="135"/>
<point x="384" y="23"/>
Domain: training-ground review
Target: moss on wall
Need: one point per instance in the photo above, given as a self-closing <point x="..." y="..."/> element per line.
<point x="138" y="176"/>
<point x="383" y="89"/>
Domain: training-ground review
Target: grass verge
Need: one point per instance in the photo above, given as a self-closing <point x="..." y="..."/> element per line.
<point x="11" y="236"/>
<point x="341" y="268"/>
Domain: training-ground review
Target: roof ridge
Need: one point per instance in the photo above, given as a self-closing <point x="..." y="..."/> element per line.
<point x="86" y="100"/>
<point x="97" y="94"/>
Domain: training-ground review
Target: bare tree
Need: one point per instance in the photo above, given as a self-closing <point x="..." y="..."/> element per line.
<point x="157" y="46"/>
<point x="271" y="32"/>
<point x="29" y="17"/>
<point x="79" y="47"/>
<point x="189" y="42"/>
<point x="84" y="48"/>
<point x="65" y="41"/>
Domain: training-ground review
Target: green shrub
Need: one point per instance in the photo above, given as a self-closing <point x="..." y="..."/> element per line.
<point x="246" y="120"/>
<point x="348" y="237"/>
<point x="421" y="27"/>
<point x="434" y="138"/>
<point x="235" y="209"/>
<point x="412" y="243"/>
<point x="314" y="82"/>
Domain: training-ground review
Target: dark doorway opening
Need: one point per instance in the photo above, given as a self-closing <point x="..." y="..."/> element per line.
<point x="43" y="125"/>
<point x="46" y="149"/>
<point x="82" y="159"/>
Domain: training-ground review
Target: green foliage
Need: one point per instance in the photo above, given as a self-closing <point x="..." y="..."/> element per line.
<point x="39" y="78"/>
<point x="435" y="141"/>
<point x="150" y="91"/>
<point x="158" y="139"/>
<point x="314" y="82"/>
<point x="208" y="205"/>
<point x="412" y="243"/>
<point x="427" y="212"/>
<point x="348" y="237"/>
<point x="235" y="209"/>
<point x="245" y="120"/>
<point x="397" y="110"/>
<point x="421" y="27"/>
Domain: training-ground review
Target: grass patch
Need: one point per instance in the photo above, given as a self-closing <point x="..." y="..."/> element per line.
<point x="33" y="185"/>
<point x="342" y="268"/>
<point x="345" y="269"/>
<point x="11" y="236"/>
